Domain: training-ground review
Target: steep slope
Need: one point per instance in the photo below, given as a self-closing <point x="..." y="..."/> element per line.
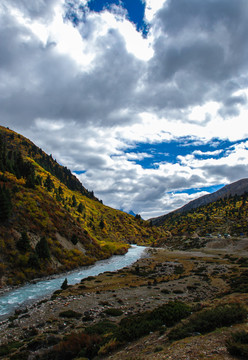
<point x="49" y="222"/>
<point x="237" y="188"/>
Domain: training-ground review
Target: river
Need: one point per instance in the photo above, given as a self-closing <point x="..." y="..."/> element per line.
<point x="32" y="292"/>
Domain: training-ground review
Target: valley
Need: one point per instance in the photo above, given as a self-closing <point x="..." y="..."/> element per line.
<point x="187" y="298"/>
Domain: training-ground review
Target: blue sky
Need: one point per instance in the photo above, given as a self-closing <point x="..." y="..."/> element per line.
<point x="147" y="101"/>
<point x="170" y="150"/>
<point x="135" y="10"/>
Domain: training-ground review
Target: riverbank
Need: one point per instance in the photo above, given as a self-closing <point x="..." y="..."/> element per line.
<point x="7" y="288"/>
<point x="23" y="296"/>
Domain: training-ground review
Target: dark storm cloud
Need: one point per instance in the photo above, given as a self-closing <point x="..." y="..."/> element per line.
<point x="31" y="75"/>
<point x="231" y="105"/>
<point x="236" y="100"/>
<point x="201" y="49"/>
<point x="200" y="52"/>
<point x="47" y="84"/>
<point x="229" y="172"/>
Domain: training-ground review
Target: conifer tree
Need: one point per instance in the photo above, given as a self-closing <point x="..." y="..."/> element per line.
<point x="64" y="286"/>
<point x="23" y="244"/>
<point x="33" y="261"/>
<point x="80" y="208"/>
<point x="74" y="239"/>
<point x="5" y="204"/>
<point x="42" y="249"/>
<point x="30" y="181"/>
<point x="74" y="201"/>
<point x="49" y="183"/>
<point x="101" y="224"/>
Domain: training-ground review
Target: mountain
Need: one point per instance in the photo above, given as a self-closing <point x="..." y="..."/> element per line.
<point x="239" y="187"/>
<point x="49" y="222"/>
<point x="222" y="218"/>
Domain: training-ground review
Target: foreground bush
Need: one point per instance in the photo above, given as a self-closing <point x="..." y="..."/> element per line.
<point x="136" y="326"/>
<point x="8" y="348"/>
<point x="240" y="283"/>
<point x="102" y="328"/>
<point x="70" y="314"/>
<point x="210" y="319"/>
<point x="113" y="312"/>
<point x="237" y="345"/>
<point x="77" y="345"/>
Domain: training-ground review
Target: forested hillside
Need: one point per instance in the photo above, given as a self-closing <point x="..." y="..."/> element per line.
<point x="49" y="222"/>
<point x="227" y="216"/>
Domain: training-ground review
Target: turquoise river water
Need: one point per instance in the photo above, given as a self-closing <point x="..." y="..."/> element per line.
<point x="31" y="292"/>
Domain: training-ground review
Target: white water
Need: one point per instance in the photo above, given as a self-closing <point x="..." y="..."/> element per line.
<point x="31" y="292"/>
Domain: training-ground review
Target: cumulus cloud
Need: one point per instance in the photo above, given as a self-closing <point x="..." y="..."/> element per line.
<point x="89" y="91"/>
<point x="42" y="10"/>
<point x="200" y="53"/>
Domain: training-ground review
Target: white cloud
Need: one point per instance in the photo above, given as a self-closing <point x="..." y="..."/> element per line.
<point x="152" y="6"/>
<point x="207" y="153"/>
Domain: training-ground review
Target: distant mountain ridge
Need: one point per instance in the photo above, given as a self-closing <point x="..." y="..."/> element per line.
<point x="237" y="188"/>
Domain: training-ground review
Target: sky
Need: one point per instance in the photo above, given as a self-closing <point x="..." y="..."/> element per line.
<point x="145" y="100"/>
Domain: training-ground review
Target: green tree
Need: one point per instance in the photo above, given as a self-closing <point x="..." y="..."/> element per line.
<point x="74" y="239"/>
<point x="64" y="285"/>
<point x="33" y="261"/>
<point x="49" y="183"/>
<point x="38" y="180"/>
<point x="5" y="204"/>
<point x="101" y="224"/>
<point x="74" y="201"/>
<point x="23" y="244"/>
<point x="80" y="208"/>
<point x="30" y="181"/>
<point x="42" y="249"/>
<point x="137" y="217"/>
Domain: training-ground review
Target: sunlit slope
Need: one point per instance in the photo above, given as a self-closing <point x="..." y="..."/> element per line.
<point x="225" y="217"/>
<point x="49" y="222"/>
<point x="237" y="188"/>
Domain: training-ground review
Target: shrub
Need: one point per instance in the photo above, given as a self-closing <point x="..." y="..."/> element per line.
<point x="33" y="261"/>
<point x="237" y="345"/>
<point x="113" y="312"/>
<point x="165" y="291"/>
<point x="70" y="314"/>
<point x="20" y="356"/>
<point x="240" y="283"/>
<point x="210" y="319"/>
<point x="135" y="326"/>
<point x="179" y="269"/>
<point x="77" y="345"/>
<point x="178" y="291"/>
<point x="8" y="348"/>
<point x="102" y="327"/>
<point x="108" y="347"/>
